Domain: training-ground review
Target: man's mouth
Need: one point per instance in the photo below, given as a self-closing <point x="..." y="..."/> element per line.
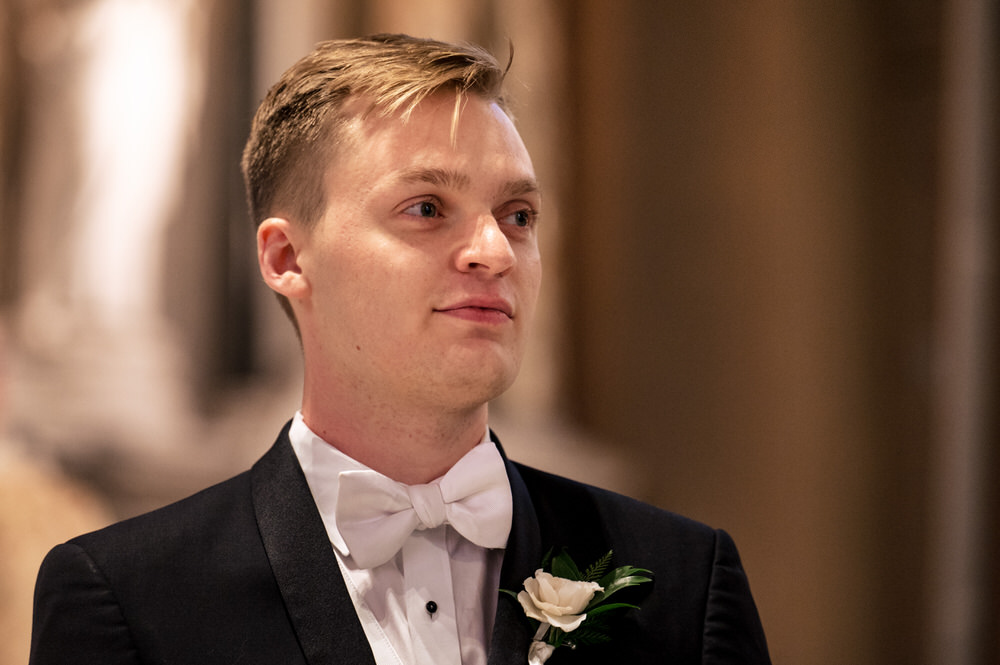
<point x="486" y="310"/>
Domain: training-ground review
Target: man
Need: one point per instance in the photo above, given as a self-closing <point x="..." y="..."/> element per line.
<point x="397" y="209"/>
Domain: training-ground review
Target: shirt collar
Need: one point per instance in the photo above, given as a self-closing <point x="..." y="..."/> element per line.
<point x="322" y="463"/>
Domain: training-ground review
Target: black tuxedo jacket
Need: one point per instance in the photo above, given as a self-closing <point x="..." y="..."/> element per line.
<point x="244" y="572"/>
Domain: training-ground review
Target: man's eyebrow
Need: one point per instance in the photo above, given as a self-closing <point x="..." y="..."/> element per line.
<point x="448" y="178"/>
<point x="520" y="187"/>
<point x="439" y="177"/>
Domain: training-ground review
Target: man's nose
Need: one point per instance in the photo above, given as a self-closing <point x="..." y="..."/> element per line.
<point x="486" y="249"/>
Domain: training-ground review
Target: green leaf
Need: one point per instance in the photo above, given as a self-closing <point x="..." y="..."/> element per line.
<point x="619" y="579"/>
<point x="624" y="571"/>
<point x="512" y="594"/>
<point x="547" y="560"/>
<point x="582" y="637"/>
<point x="598" y="568"/>
<point x="564" y="566"/>
<point x="597" y="611"/>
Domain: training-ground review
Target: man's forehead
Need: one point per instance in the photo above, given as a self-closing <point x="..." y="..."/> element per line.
<point x="422" y="148"/>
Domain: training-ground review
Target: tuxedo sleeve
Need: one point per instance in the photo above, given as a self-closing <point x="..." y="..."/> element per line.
<point x="77" y="618"/>
<point x="732" y="631"/>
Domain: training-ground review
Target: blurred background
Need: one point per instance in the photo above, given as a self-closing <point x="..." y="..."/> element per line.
<point x="770" y="235"/>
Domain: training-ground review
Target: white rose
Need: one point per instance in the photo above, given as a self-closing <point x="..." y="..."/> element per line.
<point x="556" y="600"/>
<point x="539" y="652"/>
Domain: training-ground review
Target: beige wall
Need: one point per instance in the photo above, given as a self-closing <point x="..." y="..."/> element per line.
<point x="752" y="236"/>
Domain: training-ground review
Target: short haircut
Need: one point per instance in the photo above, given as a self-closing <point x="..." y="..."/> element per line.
<point x="295" y="130"/>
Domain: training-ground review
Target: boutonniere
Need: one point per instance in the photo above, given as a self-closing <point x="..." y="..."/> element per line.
<point x="571" y="606"/>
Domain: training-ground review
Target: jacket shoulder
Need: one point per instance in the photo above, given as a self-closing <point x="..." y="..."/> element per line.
<point x="558" y="499"/>
<point x="216" y="510"/>
<point x="173" y="585"/>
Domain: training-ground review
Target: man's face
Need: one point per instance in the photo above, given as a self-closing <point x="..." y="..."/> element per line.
<point x="424" y="271"/>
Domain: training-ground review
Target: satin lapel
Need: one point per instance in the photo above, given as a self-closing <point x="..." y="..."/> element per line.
<point x="304" y="563"/>
<point x="511" y="631"/>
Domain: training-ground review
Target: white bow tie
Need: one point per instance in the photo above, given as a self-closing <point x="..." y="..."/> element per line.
<point x="375" y="514"/>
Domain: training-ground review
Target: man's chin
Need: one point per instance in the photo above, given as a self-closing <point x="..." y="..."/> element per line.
<point x="486" y="391"/>
<point x="480" y="386"/>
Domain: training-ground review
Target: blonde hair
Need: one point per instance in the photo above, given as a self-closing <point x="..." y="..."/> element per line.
<point x="295" y="130"/>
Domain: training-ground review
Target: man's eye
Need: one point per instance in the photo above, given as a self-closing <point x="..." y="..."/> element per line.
<point x="520" y="218"/>
<point x="423" y="209"/>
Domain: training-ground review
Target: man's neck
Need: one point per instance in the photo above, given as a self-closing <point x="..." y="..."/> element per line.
<point x="410" y="450"/>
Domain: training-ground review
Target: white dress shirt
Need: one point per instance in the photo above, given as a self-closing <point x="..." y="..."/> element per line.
<point x="435" y="565"/>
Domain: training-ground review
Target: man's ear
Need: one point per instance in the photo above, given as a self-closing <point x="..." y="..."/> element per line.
<point x="277" y="256"/>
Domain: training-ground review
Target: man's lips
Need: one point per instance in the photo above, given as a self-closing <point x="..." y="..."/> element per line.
<point x="480" y="309"/>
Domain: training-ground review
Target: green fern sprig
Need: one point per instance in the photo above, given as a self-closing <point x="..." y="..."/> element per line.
<point x="597" y="569"/>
